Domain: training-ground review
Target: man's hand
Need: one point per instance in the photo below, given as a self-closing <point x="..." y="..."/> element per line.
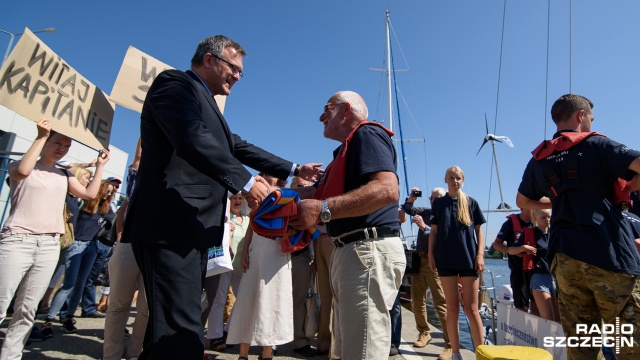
<point x="418" y="220"/>
<point x="257" y="193"/>
<point x="412" y="198"/>
<point x="311" y="171"/>
<point x="308" y="214"/>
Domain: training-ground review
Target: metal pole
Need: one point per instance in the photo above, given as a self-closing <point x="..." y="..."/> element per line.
<point x="6" y="54"/>
<point x="13" y="36"/>
<point x="495" y="158"/>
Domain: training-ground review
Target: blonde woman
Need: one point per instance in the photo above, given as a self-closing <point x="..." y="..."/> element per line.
<point x="456" y="249"/>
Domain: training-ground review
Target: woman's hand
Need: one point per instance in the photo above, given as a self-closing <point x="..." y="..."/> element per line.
<point x="44" y="129"/>
<point x="103" y="157"/>
<point x="479" y="263"/>
<point x="432" y="263"/>
<point x="245" y="261"/>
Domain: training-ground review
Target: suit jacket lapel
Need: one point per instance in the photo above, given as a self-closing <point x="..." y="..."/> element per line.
<point x="215" y="107"/>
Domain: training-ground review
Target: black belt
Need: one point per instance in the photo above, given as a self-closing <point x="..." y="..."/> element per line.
<point x="372" y="233"/>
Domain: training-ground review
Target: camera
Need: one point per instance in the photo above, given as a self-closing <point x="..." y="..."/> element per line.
<point x="417" y="193"/>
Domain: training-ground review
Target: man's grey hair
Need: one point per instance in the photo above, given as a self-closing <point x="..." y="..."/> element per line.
<point x="214" y="45"/>
<point x="440" y="191"/>
<point x="355" y="100"/>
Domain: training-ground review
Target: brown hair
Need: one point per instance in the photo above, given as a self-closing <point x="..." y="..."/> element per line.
<point x="98" y="204"/>
<point x="567" y="105"/>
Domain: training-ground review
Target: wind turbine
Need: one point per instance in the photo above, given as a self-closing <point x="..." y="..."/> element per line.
<point x="493" y="138"/>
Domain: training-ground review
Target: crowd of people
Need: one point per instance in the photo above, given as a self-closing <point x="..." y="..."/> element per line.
<point x="189" y="192"/>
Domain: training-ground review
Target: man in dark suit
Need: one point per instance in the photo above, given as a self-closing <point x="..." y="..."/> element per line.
<point x="191" y="159"/>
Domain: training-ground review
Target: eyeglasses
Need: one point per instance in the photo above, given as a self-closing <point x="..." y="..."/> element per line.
<point x="329" y="106"/>
<point x="234" y="69"/>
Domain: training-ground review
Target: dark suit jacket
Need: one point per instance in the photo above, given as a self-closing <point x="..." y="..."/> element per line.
<point x="190" y="159"/>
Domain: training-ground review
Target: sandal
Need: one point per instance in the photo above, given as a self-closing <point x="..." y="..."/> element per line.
<point x="217" y="344"/>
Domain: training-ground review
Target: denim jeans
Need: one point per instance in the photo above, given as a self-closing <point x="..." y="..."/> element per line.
<point x="89" y="294"/>
<point x="78" y="260"/>
<point x="26" y="265"/>
<point x="73" y="264"/>
<point x="396" y="322"/>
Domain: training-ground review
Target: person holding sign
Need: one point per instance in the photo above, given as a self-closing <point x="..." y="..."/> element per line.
<point x="191" y="160"/>
<point x="30" y="238"/>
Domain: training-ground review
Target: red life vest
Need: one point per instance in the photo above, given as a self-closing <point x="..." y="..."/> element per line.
<point x="529" y="239"/>
<point x="332" y="182"/>
<point x="567" y="177"/>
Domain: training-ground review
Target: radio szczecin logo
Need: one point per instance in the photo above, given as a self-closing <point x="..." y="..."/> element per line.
<point x="609" y="335"/>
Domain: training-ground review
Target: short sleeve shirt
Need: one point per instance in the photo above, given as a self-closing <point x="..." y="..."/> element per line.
<point x="456" y="245"/>
<point x="587" y="226"/>
<point x="507" y="234"/>
<point x="541" y="264"/>
<point x="370" y="150"/>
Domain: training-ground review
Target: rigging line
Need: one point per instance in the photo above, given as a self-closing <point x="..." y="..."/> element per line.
<point x="404" y="160"/>
<point x="570" y="41"/>
<point x="546" y="85"/>
<point x="495" y="119"/>
<point x="395" y="36"/>
<point x="504" y="16"/>
<point x="404" y="101"/>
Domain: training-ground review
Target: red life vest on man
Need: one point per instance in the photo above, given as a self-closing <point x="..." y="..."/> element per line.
<point x="569" y="178"/>
<point x="332" y="182"/>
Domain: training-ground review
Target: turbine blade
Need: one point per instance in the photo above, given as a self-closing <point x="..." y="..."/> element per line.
<point x="484" y="142"/>
<point x="486" y="122"/>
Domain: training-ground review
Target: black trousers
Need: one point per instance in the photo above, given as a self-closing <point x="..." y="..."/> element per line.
<point x="173" y="279"/>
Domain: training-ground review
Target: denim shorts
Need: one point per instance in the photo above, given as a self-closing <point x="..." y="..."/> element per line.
<point x="543" y="283"/>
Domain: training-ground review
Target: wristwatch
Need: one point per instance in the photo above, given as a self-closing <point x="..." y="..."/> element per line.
<point x="325" y="214"/>
<point x="296" y="171"/>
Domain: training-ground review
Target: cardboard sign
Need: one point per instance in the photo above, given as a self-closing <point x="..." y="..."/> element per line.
<point x="136" y="74"/>
<point x="37" y="84"/>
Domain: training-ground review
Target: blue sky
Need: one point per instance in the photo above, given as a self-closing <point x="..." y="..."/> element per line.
<point x="301" y="52"/>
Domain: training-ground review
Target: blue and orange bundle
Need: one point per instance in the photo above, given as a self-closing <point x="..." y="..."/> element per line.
<point x="271" y="220"/>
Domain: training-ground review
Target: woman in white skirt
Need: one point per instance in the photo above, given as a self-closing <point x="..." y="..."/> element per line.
<point x="263" y="312"/>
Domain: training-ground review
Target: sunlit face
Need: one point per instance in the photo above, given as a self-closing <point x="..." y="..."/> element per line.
<point x="85" y="179"/>
<point x="331" y="118"/>
<point x="454" y="180"/>
<point x="587" y="120"/>
<point x="110" y="192"/>
<point x="236" y="203"/>
<point x="434" y="195"/>
<point x="56" y="147"/>
<point x="221" y="75"/>
<point x="543" y="218"/>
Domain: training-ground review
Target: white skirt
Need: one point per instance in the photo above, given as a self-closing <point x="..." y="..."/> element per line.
<point x="263" y="312"/>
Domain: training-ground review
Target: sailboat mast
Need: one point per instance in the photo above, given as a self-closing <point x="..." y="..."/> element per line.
<point x="495" y="159"/>
<point x="389" y="72"/>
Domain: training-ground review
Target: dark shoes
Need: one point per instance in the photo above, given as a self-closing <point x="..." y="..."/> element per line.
<point x="305" y="351"/>
<point x="47" y="330"/>
<point x="36" y="335"/>
<point x="68" y="326"/>
<point x="393" y="351"/>
<point x="95" y="315"/>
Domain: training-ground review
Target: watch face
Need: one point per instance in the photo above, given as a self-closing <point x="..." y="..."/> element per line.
<point x="325" y="216"/>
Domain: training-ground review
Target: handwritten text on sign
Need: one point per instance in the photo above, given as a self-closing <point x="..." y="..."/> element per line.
<point x="36" y="83"/>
